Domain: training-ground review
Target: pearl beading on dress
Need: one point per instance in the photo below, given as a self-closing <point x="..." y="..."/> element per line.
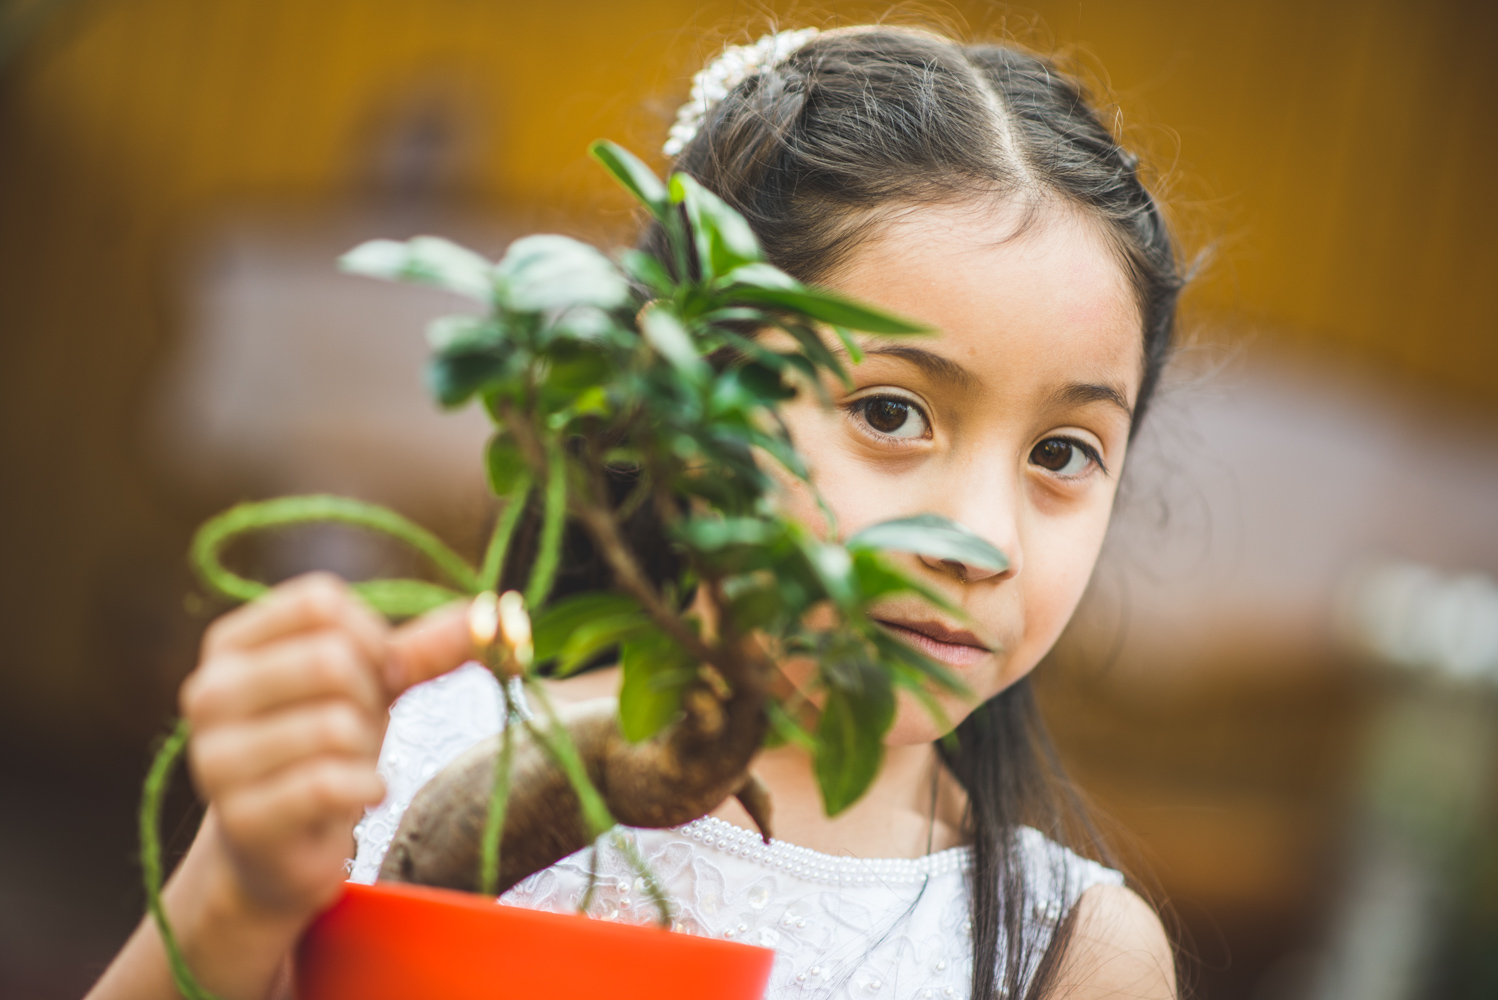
<point x="814" y="866"/>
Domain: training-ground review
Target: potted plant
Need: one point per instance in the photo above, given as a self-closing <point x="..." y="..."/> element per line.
<point x="670" y="371"/>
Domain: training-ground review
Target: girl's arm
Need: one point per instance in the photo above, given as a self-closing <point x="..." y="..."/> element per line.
<point x="1118" y="949"/>
<point x="288" y="707"/>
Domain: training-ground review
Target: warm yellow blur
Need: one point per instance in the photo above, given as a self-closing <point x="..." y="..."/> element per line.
<point x="158" y="158"/>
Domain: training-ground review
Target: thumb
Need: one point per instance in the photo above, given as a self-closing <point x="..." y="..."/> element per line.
<point x="428" y="647"/>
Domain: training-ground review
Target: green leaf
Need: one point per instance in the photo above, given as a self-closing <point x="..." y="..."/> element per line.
<point x="452" y="335"/>
<point x="828" y="308"/>
<point x="648" y="271"/>
<point x="757" y="318"/>
<point x="757" y="607"/>
<point x="760" y="275"/>
<point x="552" y="626"/>
<point x="894" y="653"/>
<point x="855" y="353"/>
<point x="877" y="577"/>
<point x="630" y="171"/>
<point x="598" y="635"/>
<point x="833" y="566"/>
<point x="665" y="332"/>
<point x="813" y="347"/>
<point x="656" y="672"/>
<point x="850" y="736"/>
<point x="584" y="323"/>
<point x="722" y="236"/>
<point x="708" y="534"/>
<point x="547" y="273"/>
<point x="747" y="387"/>
<point x="931" y="535"/>
<point x="576" y="371"/>
<point x="425" y="260"/>
<point x="504" y="464"/>
<point x="454" y="380"/>
<point x="785" y="729"/>
<point x="919" y="687"/>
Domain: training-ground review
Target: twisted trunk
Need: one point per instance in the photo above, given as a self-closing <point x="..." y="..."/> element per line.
<point x="689" y="771"/>
<point x="681" y="775"/>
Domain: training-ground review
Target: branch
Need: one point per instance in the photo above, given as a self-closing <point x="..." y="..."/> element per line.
<point x="599" y="522"/>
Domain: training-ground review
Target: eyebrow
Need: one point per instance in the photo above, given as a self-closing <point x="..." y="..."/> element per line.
<point x="930" y="362"/>
<point x="1082" y="393"/>
<point x="938" y="366"/>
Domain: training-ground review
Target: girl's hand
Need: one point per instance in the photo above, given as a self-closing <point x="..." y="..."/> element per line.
<point x="288" y="707"/>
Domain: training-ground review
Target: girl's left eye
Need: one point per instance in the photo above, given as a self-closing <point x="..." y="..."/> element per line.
<point x="1064" y="457"/>
<point x="892" y="416"/>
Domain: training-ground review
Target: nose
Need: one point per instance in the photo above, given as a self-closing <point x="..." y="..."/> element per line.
<point x="967" y="572"/>
<point x="989" y="506"/>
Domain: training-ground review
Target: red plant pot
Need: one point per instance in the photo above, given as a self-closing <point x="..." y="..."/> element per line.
<point x="403" y="942"/>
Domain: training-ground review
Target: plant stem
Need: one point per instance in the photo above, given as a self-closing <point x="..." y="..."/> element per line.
<point x="213" y="536"/>
<point x="544" y="572"/>
<point x="557" y="742"/>
<point x="653" y="888"/>
<point x="150" y="859"/>
<point x="499" y="798"/>
<point x="587" y="900"/>
<point x="504" y="531"/>
<point x="599" y="523"/>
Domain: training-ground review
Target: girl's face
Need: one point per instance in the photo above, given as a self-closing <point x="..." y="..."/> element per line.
<point x="1012" y="420"/>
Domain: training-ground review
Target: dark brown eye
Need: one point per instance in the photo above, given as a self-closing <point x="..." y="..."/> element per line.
<point x="892" y="416"/>
<point x="1061" y="456"/>
<point x="886" y="415"/>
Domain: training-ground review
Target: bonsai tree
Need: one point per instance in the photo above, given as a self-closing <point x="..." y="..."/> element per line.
<point x="657" y="374"/>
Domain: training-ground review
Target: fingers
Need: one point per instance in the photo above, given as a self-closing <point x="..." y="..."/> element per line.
<point x="288" y="709"/>
<point x="428" y="647"/>
<point x="312" y="602"/>
<point x="239" y="685"/>
<point x="308" y="795"/>
<point x="240" y="753"/>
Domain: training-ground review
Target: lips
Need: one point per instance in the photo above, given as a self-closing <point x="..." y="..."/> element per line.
<point x="954" y="647"/>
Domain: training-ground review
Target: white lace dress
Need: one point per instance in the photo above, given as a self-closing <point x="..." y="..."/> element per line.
<point x="841" y="927"/>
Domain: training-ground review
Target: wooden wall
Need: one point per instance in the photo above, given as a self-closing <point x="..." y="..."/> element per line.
<point x="1338" y="157"/>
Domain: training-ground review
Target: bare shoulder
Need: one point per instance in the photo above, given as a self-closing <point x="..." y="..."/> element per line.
<point x="1118" y="949"/>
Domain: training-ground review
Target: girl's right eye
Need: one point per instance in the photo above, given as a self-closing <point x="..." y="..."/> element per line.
<point x="892" y="416"/>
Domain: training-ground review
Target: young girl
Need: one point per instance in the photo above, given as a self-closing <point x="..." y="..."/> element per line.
<point x="968" y="185"/>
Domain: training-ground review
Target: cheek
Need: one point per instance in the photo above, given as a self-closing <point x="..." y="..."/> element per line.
<point x="1061" y="565"/>
<point x="846" y="483"/>
<point x="1030" y="611"/>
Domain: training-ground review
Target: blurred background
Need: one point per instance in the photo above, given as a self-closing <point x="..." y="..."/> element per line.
<point x="1282" y="689"/>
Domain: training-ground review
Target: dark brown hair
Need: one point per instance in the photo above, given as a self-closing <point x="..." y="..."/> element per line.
<point x="819" y="151"/>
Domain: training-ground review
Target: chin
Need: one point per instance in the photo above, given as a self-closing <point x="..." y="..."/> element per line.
<point x="913" y="723"/>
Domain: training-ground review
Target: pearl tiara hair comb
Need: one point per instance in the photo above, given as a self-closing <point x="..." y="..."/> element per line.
<point x="736" y="64"/>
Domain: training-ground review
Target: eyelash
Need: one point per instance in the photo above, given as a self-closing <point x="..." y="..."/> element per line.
<point x="860" y="406"/>
<point x="1087" y="450"/>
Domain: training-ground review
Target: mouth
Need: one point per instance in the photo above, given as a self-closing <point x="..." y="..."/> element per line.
<point x="954" y="647"/>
